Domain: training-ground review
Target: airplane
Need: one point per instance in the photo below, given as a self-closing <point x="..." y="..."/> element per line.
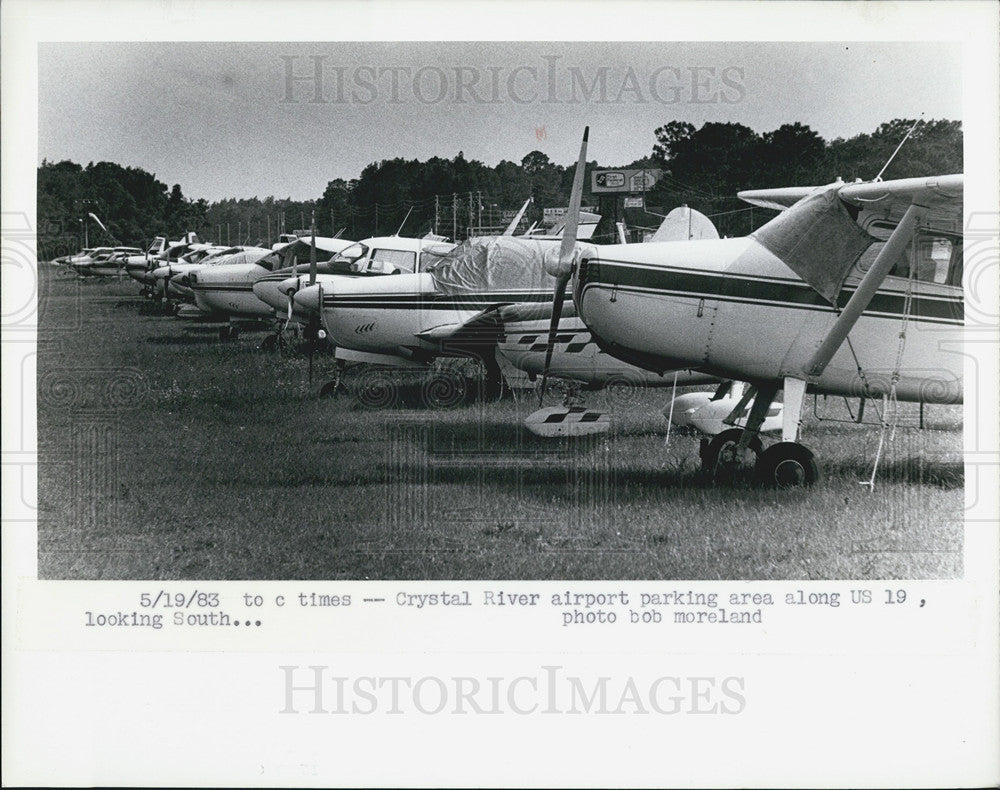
<point x="374" y="256"/>
<point x="226" y="289"/>
<point x="489" y="296"/>
<point x="377" y="255"/>
<point x="140" y="267"/>
<point x="172" y="277"/>
<point x="852" y="290"/>
<point x="100" y="261"/>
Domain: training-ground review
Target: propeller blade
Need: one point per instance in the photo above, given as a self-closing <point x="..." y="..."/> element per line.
<point x="563" y="269"/>
<point x="557" y="304"/>
<point x="312" y="254"/>
<point x="568" y="246"/>
<point x="291" y="309"/>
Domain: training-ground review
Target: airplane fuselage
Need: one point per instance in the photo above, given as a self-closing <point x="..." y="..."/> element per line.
<point x="732" y="309"/>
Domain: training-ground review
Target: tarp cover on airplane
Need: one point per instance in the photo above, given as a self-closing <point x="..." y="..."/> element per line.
<point x="818" y="239"/>
<point x="486" y="264"/>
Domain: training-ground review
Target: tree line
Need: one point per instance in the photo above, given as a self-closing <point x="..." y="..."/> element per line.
<point x="702" y="167"/>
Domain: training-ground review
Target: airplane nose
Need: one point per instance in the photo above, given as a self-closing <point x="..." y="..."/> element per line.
<point x="291" y="285"/>
<point x="308" y="298"/>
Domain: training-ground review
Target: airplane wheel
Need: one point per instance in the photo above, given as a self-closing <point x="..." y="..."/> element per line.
<point x="720" y="458"/>
<point x="269" y="343"/>
<point x="444" y="390"/>
<point x="558" y="391"/>
<point x="332" y="387"/>
<point x="786" y="464"/>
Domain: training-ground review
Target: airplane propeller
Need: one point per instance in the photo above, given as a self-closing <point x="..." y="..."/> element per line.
<point x="314" y="325"/>
<point x="562" y="269"/>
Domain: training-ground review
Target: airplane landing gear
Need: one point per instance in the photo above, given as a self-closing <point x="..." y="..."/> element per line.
<point x="723" y="458"/>
<point x="786" y="464"/>
<point x="273" y="342"/>
<point x="229" y="332"/>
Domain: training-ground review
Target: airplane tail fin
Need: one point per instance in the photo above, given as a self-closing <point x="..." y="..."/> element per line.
<point x="685" y="224"/>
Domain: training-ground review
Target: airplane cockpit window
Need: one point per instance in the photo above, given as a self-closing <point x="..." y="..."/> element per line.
<point x="930" y="258"/>
<point x="352" y="254"/>
<point x="390" y="260"/>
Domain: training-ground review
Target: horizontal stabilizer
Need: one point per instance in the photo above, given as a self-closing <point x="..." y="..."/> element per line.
<point x="562" y="421"/>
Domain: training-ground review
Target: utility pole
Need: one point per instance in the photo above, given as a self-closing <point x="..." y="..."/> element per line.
<point x="468" y="231"/>
<point x="333" y="223"/>
<point x="454" y="217"/>
<point x="229" y="241"/>
<point x="435" y="215"/>
<point x="479" y="209"/>
<point x="376" y="219"/>
<point x="268" y="230"/>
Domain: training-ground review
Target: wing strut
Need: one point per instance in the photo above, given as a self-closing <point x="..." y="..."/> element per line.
<point x="862" y="297"/>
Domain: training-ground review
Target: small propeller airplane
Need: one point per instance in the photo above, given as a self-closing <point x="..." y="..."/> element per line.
<point x="99" y="261"/>
<point x="852" y="290"/>
<point x="226" y="290"/>
<point x="376" y="255"/>
<point x="487" y="296"/>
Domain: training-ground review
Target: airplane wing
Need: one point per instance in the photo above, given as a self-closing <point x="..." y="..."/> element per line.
<point x="778" y="199"/>
<point x="887" y="201"/>
<point x="822" y="236"/>
<point x="492" y="318"/>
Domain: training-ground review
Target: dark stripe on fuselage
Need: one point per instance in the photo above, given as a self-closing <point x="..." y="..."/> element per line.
<point x="203" y="287"/>
<point x="415" y="301"/>
<point x="748" y="289"/>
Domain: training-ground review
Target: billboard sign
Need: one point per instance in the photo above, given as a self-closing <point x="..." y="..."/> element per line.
<point x="623" y="181"/>
<point x="550" y="216"/>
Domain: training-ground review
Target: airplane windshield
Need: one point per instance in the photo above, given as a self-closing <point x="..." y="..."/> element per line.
<point x="391" y="260"/>
<point x="353" y="253"/>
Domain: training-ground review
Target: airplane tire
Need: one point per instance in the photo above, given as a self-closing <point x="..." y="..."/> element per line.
<point x="718" y="459"/>
<point x="269" y="343"/>
<point x="786" y="464"/>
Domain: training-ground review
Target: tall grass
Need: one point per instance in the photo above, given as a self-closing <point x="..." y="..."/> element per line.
<point x="166" y="453"/>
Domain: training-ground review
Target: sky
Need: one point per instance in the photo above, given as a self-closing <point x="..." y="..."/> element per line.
<point x="283" y="119"/>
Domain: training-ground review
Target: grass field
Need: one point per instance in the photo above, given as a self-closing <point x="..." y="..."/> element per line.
<point x="166" y="453"/>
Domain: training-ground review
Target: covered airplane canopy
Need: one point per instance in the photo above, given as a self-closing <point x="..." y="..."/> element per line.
<point x="494" y="263"/>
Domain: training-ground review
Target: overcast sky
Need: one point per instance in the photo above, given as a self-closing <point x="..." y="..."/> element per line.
<point x="245" y="119"/>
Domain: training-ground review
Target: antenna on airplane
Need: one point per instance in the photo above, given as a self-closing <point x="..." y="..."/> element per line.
<point x="403" y="222"/>
<point x="907" y="137"/>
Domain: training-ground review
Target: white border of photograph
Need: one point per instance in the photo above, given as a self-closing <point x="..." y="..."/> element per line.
<point x="827" y="696"/>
